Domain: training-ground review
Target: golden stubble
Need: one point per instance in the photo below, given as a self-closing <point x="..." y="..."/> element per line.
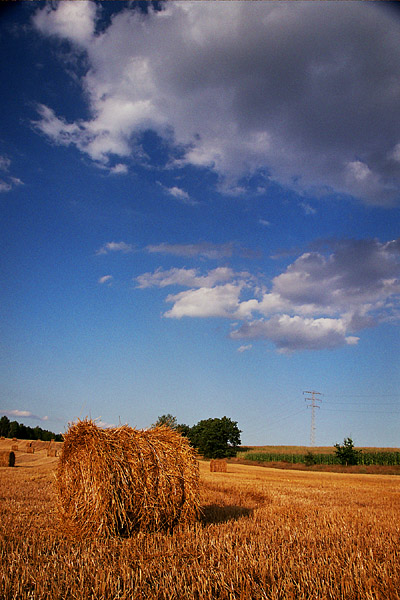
<point x="263" y="534"/>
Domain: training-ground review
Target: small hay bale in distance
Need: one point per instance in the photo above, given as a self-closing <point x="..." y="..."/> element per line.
<point x="218" y="465"/>
<point x="119" y="480"/>
<point x="14" y="447"/>
<point x="7" y="458"/>
<point x="30" y="448"/>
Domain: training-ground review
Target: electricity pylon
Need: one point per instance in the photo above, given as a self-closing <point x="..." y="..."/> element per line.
<point x="313" y="406"/>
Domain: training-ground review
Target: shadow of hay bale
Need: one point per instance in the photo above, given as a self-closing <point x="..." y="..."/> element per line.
<point x="213" y="513"/>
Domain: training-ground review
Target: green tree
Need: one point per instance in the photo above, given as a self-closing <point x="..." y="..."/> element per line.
<point x="4" y="426"/>
<point x="184" y="429"/>
<point x="215" y="438"/>
<point x="346" y="453"/>
<point x="13" y="431"/>
<point x="168" y="420"/>
<point x="309" y="459"/>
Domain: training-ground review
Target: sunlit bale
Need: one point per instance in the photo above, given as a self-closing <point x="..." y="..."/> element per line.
<point x="7" y="458"/>
<point x="119" y="480"/>
<point x="218" y="465"/>
<point x="29" y="448"/>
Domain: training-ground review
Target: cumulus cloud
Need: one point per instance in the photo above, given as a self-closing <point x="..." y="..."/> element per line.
<point x="320" y="301"/>
<point x="27" y="414"/>
<point x="297" y="333"/>
<point x="218" y="301"/>
<point x="72" y="20"/>
<point x="241" y="88"/>
<point x="115" y="247"/>
<point x="180" y="195"/>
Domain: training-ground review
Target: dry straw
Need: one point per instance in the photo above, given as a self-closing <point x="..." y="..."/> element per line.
<point x="118" y="480"/>
<point x="218" y="465"/>
<point x="30" y="448"/>
<point x="7" y="458"/>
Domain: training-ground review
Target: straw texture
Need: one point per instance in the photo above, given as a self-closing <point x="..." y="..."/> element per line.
<point x="7" y="458"/>
<point x="30" y="448"/>
<point x="115" y="481"/>
<point x="218" y="465"/>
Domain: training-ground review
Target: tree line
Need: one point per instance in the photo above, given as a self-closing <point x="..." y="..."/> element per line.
<point x="13" y="429"/>
<point x="212" y="438"/>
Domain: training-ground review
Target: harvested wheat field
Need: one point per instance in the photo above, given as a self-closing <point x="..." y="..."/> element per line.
<point x="263" y="534"/>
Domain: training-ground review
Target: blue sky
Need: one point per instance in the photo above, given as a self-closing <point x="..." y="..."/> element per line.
<point x="200" y="216"/>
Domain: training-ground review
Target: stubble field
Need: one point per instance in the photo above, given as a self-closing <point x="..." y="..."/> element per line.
<point x="264" y="534"/>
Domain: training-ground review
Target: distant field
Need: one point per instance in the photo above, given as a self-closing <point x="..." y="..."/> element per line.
<point x="264" y="534"/>
<point x="370" y="460"/>
<point x="305" y="449"/>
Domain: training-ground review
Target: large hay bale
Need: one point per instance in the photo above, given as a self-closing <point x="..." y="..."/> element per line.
<point x="218" y="465"/>
<point x="115" y="481"/>
<point x="7" y="458"/>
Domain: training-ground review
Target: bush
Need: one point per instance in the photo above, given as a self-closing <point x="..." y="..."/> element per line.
<point x="346" y="453"/>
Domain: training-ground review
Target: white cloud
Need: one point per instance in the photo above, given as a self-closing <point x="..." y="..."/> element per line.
<point x="318" y="302"/>
<point x="184" y="277"/>
<point x="105" y="279"/>
<point x="4" y="187"/>
<point x="239" y="88"/>
<point x="359" y="276"/>
<point x="115" y="247"/>
<point x="119" y="169"/>
<point x="395" y="154"/>
<point x="103" y="424"/>
<point x="201" y="249"/>
<point x="5" y="163"/>
<point x="180" y="195"/>
<point x="245" y="348"/>
<point x="71" y="20"/>
<point x="308" y="209"/>
<point x="219" y="301"/>
<point x="297" y="333"/>
<point x="9" y="182"/>
<point x="25" y="414"/>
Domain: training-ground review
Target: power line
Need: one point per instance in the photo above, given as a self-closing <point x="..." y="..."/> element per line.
<point x="313" y="406"/>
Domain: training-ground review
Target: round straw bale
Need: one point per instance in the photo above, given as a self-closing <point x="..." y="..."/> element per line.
<point x="118" y="480"/>
<point x="218" y="465"/>
<point x="7" y="458"/>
